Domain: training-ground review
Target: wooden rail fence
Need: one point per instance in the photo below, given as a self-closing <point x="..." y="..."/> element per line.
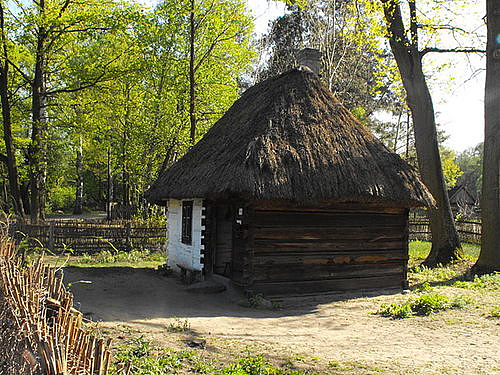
<point x="89" y="236"/>
<point x="468" y="231"/>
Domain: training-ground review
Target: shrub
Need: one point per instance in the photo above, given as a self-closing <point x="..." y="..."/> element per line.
<point x="396" y="311"/>
<point x="427" y="304"/>
<point x="62" y="198"/>
<point x="423" y="306"/>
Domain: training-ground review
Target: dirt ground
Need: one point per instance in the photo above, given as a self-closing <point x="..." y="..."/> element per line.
<point x="324" y="329"/>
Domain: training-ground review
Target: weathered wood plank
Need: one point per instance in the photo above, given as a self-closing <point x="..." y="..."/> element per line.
<point x="325" y="219"/>
<point x="309" y="272"/>
<point x="307" y="287"/>
<point x="321" y="245"/>
<point x="331" y="258"/>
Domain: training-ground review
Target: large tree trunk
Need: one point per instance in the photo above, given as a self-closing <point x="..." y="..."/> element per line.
<point x="445" y="242"/>
<point x="37" y="157"/>
<point x="15" y="191"/>
<point x="489" y="258"/>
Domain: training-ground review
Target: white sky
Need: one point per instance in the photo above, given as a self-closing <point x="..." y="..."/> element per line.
<point x="459" y="105"/>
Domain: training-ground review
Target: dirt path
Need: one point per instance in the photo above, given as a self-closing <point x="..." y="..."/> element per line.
<point x="454" y="342"/>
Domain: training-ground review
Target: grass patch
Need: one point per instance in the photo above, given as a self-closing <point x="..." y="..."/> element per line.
<point x="106" y="258"/>
<point x="420" y="249"/>
<point x="495" y="312"/>
<point x="488" y="282"/>
<point x="424" y="305"/>
<point x="145" y="358"/>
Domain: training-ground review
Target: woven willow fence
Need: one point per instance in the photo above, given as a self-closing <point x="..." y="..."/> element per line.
<point x="468" y="231"/>
<point x="85" y="236"/>
<point x="42" y="332"/>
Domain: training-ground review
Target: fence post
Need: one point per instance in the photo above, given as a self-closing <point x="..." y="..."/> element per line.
<point x="128" y="243"/>
<point x="51" y="237"/>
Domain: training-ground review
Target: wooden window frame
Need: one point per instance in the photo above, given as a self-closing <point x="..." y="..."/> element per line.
<point x="187" y="223"/>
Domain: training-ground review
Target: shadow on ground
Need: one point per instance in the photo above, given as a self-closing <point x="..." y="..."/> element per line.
<point x="130" y="294"/>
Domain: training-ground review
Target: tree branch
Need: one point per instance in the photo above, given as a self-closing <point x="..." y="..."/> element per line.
<point x="18" y="69"/>
<point x="451" y="50"/>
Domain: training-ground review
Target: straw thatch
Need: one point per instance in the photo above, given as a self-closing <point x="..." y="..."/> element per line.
<point x="288" y="138"/>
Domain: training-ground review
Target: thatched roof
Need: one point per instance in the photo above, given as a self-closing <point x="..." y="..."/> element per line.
<point x="289" y="138"/>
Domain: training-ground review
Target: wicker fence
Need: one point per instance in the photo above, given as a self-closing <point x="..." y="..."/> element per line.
<point x="89" y="236"/>
<point x="468" y="231"/>
<point x="45" y="334"/>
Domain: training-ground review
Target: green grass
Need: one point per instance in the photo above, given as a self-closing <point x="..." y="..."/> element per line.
<point x="420" y="249"/>
<point x="106" y="258"/>
<point x="147" y="359"/>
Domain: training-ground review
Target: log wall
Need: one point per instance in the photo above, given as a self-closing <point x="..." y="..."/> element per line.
<point x="297" y="251"/>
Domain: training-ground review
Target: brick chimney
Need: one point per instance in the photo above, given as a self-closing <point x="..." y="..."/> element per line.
<point x="309" y="59"/>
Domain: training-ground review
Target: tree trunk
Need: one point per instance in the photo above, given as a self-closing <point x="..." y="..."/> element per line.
<point x="445" y="242"/>
<point x="79" y="181"/>
<point x="489" y="258"/>
<point x="37" y="158"/>
<point x="15" y="191"/>
<point x="109" y="194"/>
<point x="192" y="117"/>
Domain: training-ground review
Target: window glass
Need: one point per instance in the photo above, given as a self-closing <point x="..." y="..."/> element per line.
<point x="187" y="222"/>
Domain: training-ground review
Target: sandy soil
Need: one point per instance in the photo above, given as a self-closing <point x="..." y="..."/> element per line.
<point x="343" y="331"/>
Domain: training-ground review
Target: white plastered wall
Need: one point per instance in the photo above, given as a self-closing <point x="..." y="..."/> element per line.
<point x="178" y="253"/>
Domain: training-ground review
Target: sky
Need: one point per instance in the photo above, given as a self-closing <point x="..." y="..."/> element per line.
<point x="458" y="98"/>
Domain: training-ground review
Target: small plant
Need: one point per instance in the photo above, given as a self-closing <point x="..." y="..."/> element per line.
<point x="423" y="306"/>
<point x="396" y="311"/>
<point x="425" y="287"/>
<point x="495" y="312"/>
<point x="427" y="304"/>
<point x="490" y="281"/>
<point x="179" y="325"/>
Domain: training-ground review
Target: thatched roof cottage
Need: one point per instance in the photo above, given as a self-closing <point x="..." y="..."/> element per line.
<point x="289" y="193"/>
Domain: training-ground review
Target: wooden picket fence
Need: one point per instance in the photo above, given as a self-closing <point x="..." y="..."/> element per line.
<point x="86" y="236"/>
<point x="55" y="339"/>
<point x="468" y="231"/>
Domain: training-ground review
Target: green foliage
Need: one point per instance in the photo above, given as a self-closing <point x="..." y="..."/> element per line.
<point x="427" y="304"/>
<point x="470" y="162"/>
<point x="495" y="312"/>
<point x="179" y="325"/>
<point x="451" y="170"/>
<point x="146" y="358"/>
<point x="423" y="306"/>
<point x="62" y="198"/>
<point x="396" y="311"/>
<point x="490" y="282"/>
<point x="105" y="258"/>
<point x="420" y="249"/>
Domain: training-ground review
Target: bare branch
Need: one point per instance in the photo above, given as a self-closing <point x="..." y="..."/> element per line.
<point x="451" y="50"/>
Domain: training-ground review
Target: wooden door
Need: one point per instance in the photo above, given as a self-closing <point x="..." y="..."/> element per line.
<point x="224" y="240"/>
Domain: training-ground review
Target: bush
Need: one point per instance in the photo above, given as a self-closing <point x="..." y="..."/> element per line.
<point x="62" y="198"/>
<point x="423" y="306"/>
<point x="427" y="304"/>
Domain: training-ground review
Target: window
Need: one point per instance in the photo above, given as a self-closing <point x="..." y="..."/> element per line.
<point x="187" y="222"/>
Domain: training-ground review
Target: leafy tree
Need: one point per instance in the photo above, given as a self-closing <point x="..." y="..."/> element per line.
<point x="354" y="66"/>
<point x="451" y="170"/>
<point x="55" y="34"/>
<point x="470" y="162"/>
<point x="405" y="47"/>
